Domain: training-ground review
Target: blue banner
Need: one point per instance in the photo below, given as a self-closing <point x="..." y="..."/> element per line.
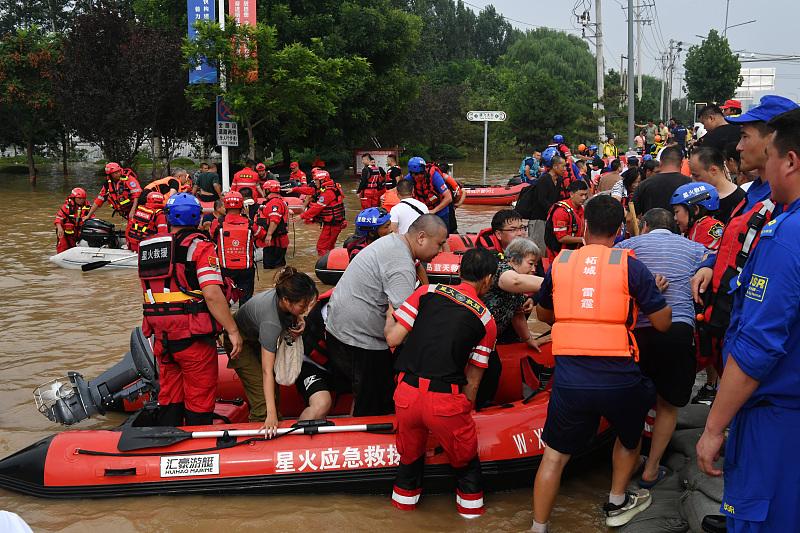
<point x="200" y="10"/>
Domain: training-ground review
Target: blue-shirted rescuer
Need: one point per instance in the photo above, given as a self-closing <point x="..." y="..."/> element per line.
<point x="759" y="394"/>
<point x="430" y="187"/>
<point x="592" y="296"/>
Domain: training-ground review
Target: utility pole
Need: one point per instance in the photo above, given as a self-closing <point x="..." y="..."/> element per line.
<point x="631" y="99"/>
<point x="225" y="164"/>
<point x="584" y="20"/>
<point x="663" y="77"/>
<point x="639" y="22"/>
<point x="727" y="7"/>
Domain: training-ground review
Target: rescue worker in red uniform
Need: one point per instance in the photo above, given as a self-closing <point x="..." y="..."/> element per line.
<point x="692" y="204"/>
<point x="371" y="224"/>
<point x="185" y="309"/>
<point x="564" y="227"/>
<point x="69" y="220"/>
<point x="506" y="226"/>
<point x="372" y="184"/>
<point x="328" y="210"/>
<point x="235" y="236"/>
<point x="121" y="189"/>
<point x="273" y="218"/>
<point x="297" y="175"/>
<point x="146" y="221"/>
<point x="249" y="179"/>
<point x="449" y="334"/>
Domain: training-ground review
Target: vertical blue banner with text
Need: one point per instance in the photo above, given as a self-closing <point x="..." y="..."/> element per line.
<point x="200" y="10"/>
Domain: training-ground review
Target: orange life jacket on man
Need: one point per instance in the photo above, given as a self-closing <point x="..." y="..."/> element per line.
<point x="120" y="194"/>
<point x="174" y="308"/>
<point x="164" y="185"/>
<point x="235" y="242"/>
<point x="424" y="190"/>
<point x="594" y="310"/>
<point x="143" y="223"/>
<point x="738" y="241"/>
<point x="71" y="216"/>
<point x="487" y="239"/>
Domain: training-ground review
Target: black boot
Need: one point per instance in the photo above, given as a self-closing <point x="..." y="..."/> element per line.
<point x="170" y="415"/>
<point x="199" y="419"/>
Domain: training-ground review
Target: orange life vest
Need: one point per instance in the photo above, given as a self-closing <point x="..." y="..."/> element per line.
<point x="143" y="223"/>
<point x="72" y="216"/>
<point x="594" y="311"/>
<point x="163" y="186"/>
<point x="333" y="213"/>
<point x="235" y="243"/>
<point x="119" y="194"/>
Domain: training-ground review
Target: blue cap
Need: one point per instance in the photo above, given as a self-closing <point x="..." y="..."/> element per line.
<point x="770" y="107"/>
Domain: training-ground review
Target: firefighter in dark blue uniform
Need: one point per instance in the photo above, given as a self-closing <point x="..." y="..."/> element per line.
<point x="759" y="395"/>
<point x="450" y="336"/>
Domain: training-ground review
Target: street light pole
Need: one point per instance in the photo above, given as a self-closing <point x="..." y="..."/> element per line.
<point x="631" y="95"/>
<point x="226" y="170"/>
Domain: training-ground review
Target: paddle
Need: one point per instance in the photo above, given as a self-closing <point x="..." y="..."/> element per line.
<point x="156" y="437"/>
<point x="100" y="264"/>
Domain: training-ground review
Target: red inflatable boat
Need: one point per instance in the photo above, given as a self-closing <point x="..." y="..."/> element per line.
<point x="136" y="459"/>
<point x="478" y="195"/>
<point x="442" y="269"/>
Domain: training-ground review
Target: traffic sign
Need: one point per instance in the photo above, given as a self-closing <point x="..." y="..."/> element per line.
<point x="227" y="134"/>
<point x="486" y="116"/>
<point x="224" y="113"/>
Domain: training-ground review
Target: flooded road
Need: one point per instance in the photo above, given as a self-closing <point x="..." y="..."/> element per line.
<point x="54" y="320"/>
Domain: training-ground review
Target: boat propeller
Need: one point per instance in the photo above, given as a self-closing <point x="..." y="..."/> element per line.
<point x="71" y="399"/>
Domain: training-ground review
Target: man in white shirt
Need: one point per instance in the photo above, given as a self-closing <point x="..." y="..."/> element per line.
<point x="408" y="209"/>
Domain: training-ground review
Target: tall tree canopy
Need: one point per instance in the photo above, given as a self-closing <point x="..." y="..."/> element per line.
<point x="712" y="70"/>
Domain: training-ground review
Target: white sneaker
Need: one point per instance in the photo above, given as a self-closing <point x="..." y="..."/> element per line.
<point x="635" y="502"/>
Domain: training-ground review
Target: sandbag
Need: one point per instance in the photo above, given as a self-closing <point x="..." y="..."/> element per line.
<point x="694" y="505"/>
<point x="674" y="461"/>
<point x="662" y="516"/>
<point x="692" y="416"/>
<point x="685" y="441"/>
<point x="694" y="479"/>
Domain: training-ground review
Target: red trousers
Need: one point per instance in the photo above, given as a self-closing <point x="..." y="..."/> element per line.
<point x="448" y="417"/>
<point x="327" y="238"/>
<point x="66" y="242"/>
<point x="371" y="198"/>
<point x="188" y="376"/>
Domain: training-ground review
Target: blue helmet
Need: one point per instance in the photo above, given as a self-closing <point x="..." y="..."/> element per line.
<point x="593" y="147"/>
<point x="696" y="194"/>
<point x="548" y="154"/>
<point x="371" y="219"/>
<point x="416" y="164"/>
<point x="558" y="138"/>
<point x="183" y="209"/>
<point x="647" y="157"/>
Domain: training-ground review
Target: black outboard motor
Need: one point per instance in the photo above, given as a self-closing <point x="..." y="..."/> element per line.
<point x="98" y="233"/>
<point x="72" y="399"/>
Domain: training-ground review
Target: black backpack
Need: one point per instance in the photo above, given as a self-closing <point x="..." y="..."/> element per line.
<point x="526" y="201"/>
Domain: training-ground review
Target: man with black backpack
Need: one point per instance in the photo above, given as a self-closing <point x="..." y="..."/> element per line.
<point x="534" y="201"/>
<point x="564" y="226"/>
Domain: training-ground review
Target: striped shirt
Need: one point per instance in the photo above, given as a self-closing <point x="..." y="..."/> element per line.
<point x="677" y="259"/>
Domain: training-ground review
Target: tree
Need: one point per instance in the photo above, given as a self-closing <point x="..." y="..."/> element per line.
<point x="27" y="63"/>
<point x="291" y="90"/>
<point x="712" y="70"/>
<point x="117" y="80"/>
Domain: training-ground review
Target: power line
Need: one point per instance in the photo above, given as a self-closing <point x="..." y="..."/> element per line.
<point x="509" y="19"/>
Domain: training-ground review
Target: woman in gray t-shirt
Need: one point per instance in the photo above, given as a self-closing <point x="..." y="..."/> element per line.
<point x="262" y="320"/>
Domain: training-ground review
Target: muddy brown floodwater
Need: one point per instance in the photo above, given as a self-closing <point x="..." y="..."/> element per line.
<point x="54" y="320"/>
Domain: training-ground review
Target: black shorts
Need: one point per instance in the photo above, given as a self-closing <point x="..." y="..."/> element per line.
<point x="573" y="415"/>
<point x="313" y="379"/>
<point x="369" y="373"/>
<point x="274" y="257"/>
<point x="669" y="360"/>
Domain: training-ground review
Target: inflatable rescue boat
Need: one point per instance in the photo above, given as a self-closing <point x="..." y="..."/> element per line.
<point x="493" y="195"/>
<point x="443" y="268"/>
<point x="342" y="454"/>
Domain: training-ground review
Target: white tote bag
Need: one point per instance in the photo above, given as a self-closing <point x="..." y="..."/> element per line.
<point x="288" y="359"/>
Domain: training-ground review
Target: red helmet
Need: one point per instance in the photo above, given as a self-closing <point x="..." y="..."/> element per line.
<point x="294" y="164"/>
<point x="77" y="192"/>
<point x="155" y="199"/>
<point x="113" y="167"/>
<point x="324" y="178"/>
<point x="233" y="200"/>
<point x="261" y="166"/>
<point x="272" y="186"/>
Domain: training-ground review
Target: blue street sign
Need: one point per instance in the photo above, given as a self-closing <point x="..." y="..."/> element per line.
<point x="200" y="10"/>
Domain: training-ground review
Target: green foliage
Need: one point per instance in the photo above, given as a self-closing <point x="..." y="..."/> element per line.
<point x="712" y="70"/>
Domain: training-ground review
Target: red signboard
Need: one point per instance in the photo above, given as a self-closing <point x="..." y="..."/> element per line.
<point x="244" y="11"/>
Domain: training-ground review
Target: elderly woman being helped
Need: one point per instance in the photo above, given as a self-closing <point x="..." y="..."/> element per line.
<point x="509" y="300"/>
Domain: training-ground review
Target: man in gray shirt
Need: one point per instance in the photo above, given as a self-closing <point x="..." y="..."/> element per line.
<point x="377" y="281"/>
<point x="667" y="358"/>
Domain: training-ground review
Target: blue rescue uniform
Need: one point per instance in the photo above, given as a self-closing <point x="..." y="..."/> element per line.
<point x="762" y="474"/>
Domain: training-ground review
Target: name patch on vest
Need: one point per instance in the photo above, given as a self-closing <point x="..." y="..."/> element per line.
<point x="757" y="288"/>
<point x="463" y="299"/>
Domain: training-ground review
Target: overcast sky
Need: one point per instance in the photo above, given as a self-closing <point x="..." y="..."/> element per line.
<point x="775" y="30"/>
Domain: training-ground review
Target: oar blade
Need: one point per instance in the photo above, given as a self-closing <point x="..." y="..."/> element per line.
<point x="94" y="266"/>
<point x="134" y="438"/>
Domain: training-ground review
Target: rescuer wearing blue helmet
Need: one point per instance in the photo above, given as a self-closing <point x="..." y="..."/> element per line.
<point x="693" y="205"/>
<point x="430" y="187"/>
<point x="371" y="224"/>
<point x="185" y="310"/>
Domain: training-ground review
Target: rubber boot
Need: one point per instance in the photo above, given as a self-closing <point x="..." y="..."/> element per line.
<point x="714" y="524"/>
<point x="170" y="415"/>
<point x="199" y="419"/>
